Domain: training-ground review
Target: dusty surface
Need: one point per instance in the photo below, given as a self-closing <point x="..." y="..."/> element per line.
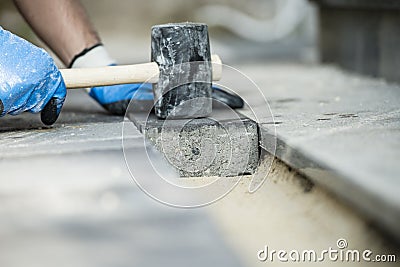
<point x="83" y="209"/>
<point x="68" y="199"/>
<point x="71" y="201"/>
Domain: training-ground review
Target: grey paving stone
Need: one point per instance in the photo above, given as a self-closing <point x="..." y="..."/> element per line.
<point x="224" y="144"/>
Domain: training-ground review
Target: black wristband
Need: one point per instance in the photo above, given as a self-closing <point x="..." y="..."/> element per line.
<point x="84" y="52"/>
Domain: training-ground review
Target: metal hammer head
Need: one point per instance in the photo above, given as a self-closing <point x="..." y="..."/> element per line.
<point x="182" y="51"/>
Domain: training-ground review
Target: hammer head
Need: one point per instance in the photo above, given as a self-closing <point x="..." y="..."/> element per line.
<point x="182" y="51"/>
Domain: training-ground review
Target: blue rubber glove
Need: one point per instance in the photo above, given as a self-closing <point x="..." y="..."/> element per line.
<point x="29" y="79"/>
<point x="116" y="98"/>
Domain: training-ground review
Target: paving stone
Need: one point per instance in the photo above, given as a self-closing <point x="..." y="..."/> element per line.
<point x="224" y="144"/>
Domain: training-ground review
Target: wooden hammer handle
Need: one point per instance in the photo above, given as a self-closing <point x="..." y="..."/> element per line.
<point x="124" y="74"/>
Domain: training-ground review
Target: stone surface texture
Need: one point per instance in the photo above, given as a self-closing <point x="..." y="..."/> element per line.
<point x="224" y="144"/>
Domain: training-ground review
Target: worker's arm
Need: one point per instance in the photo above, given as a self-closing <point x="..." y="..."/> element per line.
<point x="62" y="24"/>
<point x="29" y="79"/>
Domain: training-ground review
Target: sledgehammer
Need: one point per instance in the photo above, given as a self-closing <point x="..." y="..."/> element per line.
<point x="172" y="45"/>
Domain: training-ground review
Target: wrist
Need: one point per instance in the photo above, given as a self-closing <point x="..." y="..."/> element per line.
<point x="95" y="56"/>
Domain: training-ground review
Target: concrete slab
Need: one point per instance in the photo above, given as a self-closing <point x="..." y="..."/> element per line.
<point x="341" y="130"/>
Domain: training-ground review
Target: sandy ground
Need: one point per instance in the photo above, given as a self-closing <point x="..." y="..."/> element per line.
<point x="288" y="213"/>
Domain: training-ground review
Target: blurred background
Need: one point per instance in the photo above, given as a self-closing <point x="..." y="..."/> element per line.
<point x="259" y="29"/>
<point x="87" y="212"/>
<point x="359" y="35"/>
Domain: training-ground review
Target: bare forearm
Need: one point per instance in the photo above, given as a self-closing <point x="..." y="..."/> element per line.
<point x="62" y="24"/>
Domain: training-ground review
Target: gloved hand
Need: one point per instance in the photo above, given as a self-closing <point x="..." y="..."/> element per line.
<point x="116" y="98"/>
<point x="29" y="79"/>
